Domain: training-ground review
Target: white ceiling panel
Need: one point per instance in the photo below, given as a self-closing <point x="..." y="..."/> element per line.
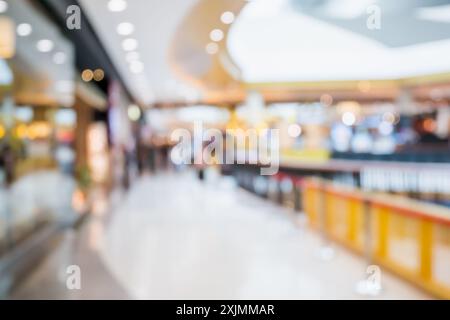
<point x="155" y="22"/>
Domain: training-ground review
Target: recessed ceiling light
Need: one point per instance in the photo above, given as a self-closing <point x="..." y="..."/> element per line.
<point x="117" y="5"/>
<point x="227" y="17"/>
<point x="24" y="29"/>
<point x="87" y="75"/>
<point x="59" y="57"/>
<point x="212" y="48"/>
<point x="216" y="35"/>
<point x="129" y="44"/>
<point x="132" y="56"/>
<point x="136" y="67"/>
<point x="99" y="75"/>
<point x="125" y="28"/>
<point x="45" y="45"/>
<point x="3" y="6"/>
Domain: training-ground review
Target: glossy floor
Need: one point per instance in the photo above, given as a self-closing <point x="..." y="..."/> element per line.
<point x="174" y="237"/>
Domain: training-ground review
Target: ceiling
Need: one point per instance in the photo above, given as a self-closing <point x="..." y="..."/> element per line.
<point x="156" y="24"/>
<point x="315" y="41"/>
<point x="37" y="78"/>
<point x="272" y="42"/>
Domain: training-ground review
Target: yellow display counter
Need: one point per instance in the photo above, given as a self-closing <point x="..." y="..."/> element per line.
<point x="410" y="238"/>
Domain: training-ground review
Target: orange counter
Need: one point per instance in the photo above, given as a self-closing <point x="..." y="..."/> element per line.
<point x="408" y="237"/>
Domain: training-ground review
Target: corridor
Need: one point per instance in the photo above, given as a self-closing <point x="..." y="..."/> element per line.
<point x="175" y="237"/>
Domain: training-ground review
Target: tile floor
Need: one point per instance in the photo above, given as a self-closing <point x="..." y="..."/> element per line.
<point x="173" y="237"/>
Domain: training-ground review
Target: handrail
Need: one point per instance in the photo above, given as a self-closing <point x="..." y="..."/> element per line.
<point x="402" y="205"/>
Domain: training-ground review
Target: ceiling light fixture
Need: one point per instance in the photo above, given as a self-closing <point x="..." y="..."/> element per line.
<point x="59" y="57"/>
<point x="129" y="44"/>
<point x="227" y="17"/>
<point x="24" y="29"/>
<point x="3" y="6"/>
<point x="87" y="75"/>
<point x="212" y="48"/>
<point x="45" y="45"/>
<point x="125" y="28"/>
<point x="136" y="67"/>
<point x="132" y="56"/>
<point x="99" y="75"/>
<point x="216" y="35"/>
<point x="117" y="5"/>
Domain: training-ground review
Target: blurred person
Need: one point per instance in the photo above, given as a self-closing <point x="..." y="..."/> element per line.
<point x="7" y="161"/>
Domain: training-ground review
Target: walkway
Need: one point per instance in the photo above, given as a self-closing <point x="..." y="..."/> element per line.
<point x="173" y="237"/>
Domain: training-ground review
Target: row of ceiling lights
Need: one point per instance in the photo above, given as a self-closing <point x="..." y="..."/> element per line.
<point x="42" y="45"/>
<point x="217" y="35"/>
<point x="129" y="44"/>
<point x="88" y="75"/>
<point x="59" y="57"/>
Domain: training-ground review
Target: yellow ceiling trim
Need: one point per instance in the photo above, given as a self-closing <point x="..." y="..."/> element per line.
<point x="353" y="84"/>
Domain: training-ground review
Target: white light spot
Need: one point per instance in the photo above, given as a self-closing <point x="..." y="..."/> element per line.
<point x="129" y="44"/>
<point x="59" y="57"/>
<point x="125" y="28"/>
<point x="117" y="5"/>
<point x="45" y="45"/>
<point x="136" y="67"/>
<point x="24" y="29"/>
<point x="132" y="56"/>
<point x="227" y="17"/>
<point x="3" y="6"/>
<point x="212" y="48"/>
<point x="294" y="130"/>
<point x="216" y="35"/>
<point x="386" y="128"/>
<point x="348" y="118"/>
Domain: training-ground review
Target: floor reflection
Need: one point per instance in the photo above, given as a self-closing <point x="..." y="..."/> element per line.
<point x="174" y="237"/>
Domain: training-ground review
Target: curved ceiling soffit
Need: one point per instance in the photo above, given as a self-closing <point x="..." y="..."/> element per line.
<point x="217" y="74"/>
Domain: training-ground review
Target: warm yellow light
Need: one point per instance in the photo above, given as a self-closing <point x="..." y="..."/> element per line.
<point x="22" y="131"/>
<point x="364" y="86"/>
<point x="87" y="75"/>
<point x="38" y="130"/>
<point x="99" y="74"/>
<point x="349" y="106"/>
<point x="2" y="131"/>
<point x="7" y="38"/>
<point x="79" y="201"/>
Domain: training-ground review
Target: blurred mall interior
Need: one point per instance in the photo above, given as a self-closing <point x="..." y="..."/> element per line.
<point x="224" y="149"/>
